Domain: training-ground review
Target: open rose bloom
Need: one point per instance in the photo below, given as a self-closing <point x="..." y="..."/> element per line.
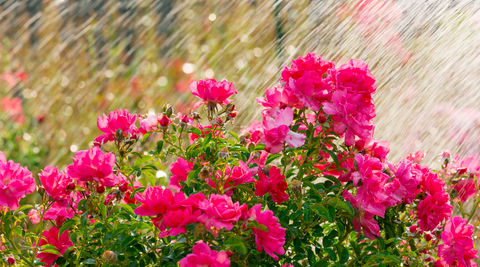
<point x="307" y="185"/>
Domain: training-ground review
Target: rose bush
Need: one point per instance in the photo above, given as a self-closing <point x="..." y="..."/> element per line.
<point x="308" y="186"/>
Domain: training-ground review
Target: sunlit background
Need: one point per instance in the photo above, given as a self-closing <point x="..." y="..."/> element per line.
<point x="64" y="63"/>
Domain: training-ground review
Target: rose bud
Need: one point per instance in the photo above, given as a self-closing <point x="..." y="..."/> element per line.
<point x="109" y="256"/>
<point x="428" y="237"/>
<point x="413" y="229"/>
<point x="100" y="189"/>
<point x="123" y="187"/>
<point x="71" y="186"/>
<point x="321" y="119"/>
<point x="11" y="261"/>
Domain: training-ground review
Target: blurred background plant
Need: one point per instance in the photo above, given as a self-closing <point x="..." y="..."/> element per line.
<point x="68" y="62"/>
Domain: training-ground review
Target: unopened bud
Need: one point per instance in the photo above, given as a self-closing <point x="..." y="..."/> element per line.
<point x="11" y="261"/>
<point x="71" y="186"/>
<point x="196" y="116"/>
<point x="428" y="237"/>
<point x="119" y="135"/>
<point x="123" y="187"/>
<point x="200" y="230"/>
<point x="413" y="229"/>
<point x="164" y="121"/>
<point x="223" y="153"/>
<point x="266" y="169"/>
<point x="461" y="170"/>
<point x="242" y="139"/>
<point x="109" y="256"/>
<point x="321" y="119"/>
<point x="100" y="189"/>
<point x="360" y="145"/>
<point x="204" y="173"/>
<point x="169" y="111"/>
<point x="41" y="190"/>
<point x="296" y="187"/>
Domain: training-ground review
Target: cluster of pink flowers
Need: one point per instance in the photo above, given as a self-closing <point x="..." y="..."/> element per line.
<point x="457" y="248"/>
<point x="175" y="211"/>
<point x="274" y="184"/>
<point x="212" y="92"/>
<point x="203" y="255"/>
<point x="117" y="120"/>
<point x="93" y="165"/>
<point x="154" y="122"/>
<point x="56" y="184"/>
<point x="233" y="177"/>
<point x="60" y="242"/>
<point x="15" y="182"/>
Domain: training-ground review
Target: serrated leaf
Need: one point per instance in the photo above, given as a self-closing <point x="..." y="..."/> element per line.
<point x="207" y="139"/>
<point x="234" y="135"/>
<point x="21" y="208"/>
<point x="256" y="225"/>
<point x="51" y="251"/>
<point x="151" y="178"/>
<point x="195" y="130"/>
<point x="103" y="210"/>
<point x="343" y="254"/>
<point x="65" y="226"/>
<point x="272" y="157"/>
<point x="90" y="261"/>
<point x="159" y="146"/>
<point x="145" y="136"/>
<point x="333" y="179"/>
<point x="334" y="157"/>
<point x="127" y="208"/>
<point x="259" y="147"/>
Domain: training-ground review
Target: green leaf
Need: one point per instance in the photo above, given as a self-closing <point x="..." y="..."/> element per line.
<point x="52" y="251"/>
<point x="331" y="253"/>
<point x="272" y="157"/>
<point x="22" y="208"/>
<point x="330" y="239"/>
<point x="343" y="254"/>
<point x="259" y="147"/>
<point x="127" y="208"/>
<point x="65" y="226"/>
<point x="321" y="211"/>
<point x="195" y="131"/>
<point x="151" y="178"/>
<point x="103" y="210"/>
<point x="90" y="261"/>
<point x="333" y="179"/>
<point x="142" y="159"/>
<point x="159" y="146"/>
<point x="234" y="135"/>
<point x="48" y="246"/>
<point x="322" y="263"/>
<point x="145" y="136"/>
<point x="236" y="243"/>
<point x="256" y="225"/>
<point x="207" y="139"/>
<point x="334" y="157"/>
<point x="339" y="204"/>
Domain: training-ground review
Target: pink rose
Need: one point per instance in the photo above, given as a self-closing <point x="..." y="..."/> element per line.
<point x="116" y="120"/>
<point x="457" y="248"/>
<point x="93" y="164"/>
<point x="15" y="182"/>
<point x="180" y="170"/>
<point x="51" y="237"/>
<point x="212" y="92"/>
<point x="274" y="184"/>
<point x="33" y="216"/>
<point x="202" y="256"/>
<point x="155" y="201"/>
<point x="55" y="184"/>
<point x="220" y="212"/>
<point x="273" y="240"/>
